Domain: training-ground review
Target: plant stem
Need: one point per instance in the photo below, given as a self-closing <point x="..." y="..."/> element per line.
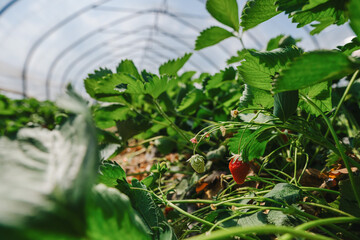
<point x="140" y="143"/>
<point x="319" y="222"/>
<point x="305" y="166"/>
<point x="191" y="216"/>
<point x="317" y="139"/>
<point x="224" y="220"/>
<point x="333" y="226"/>
<point x="339" y="147"/>
<point x="320" y="190"/>
<point x="278" y="171"/>
<point x="170" y="204"/>
<point x="195" y="201"/>
<point x="326" y="221"/>
<point x="274" y="176"/>
<point x="173" y="125"/>
<point x="295" y="167"/>
<point x="352" y="80"/>
<point x="267" y="229"/>
<point x="328" y="208"/>
<point x="230" y="204"/>
<point x="197" y="212"/>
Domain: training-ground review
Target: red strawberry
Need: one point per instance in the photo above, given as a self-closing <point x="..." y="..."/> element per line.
<point x="239" y="169"/>
<point x="167" y="210"/>
<point x="285" y="135"/>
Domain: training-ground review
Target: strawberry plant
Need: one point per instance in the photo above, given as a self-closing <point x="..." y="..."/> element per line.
<point x="16" y="114"/>
<point x="280" y="110"/>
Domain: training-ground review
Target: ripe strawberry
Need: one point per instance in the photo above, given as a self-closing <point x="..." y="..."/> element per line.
<point x="167" y="210"/>
<point x="285" y="135"/>
<point x="238" y="169"/>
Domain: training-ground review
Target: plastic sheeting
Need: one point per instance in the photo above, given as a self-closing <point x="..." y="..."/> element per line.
<point x="46" y="44"/>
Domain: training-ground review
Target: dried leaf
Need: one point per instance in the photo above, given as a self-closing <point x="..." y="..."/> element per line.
<point x="201" y="186"/>
<point x="342" y="171"/>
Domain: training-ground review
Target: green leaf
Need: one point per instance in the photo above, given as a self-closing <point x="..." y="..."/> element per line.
<point x="284" y="193"/>
<point x="250" y="144"/>
<point x="110" y="216"/>
<point x="102" y="85"/>
<point x="256" y="117"/>
<point x="211" y="36"/>
<point x="279" y="218"/>
<point x="151" y="214"/>
<point x="186" y="76"/>
<point x="324" y="12"/>
<point x="259" y="68"/>
<point x="350" y="47"/>
<point x="354" y="15"/>
<point x="274" y="43"/>
<point x="165" y="145"/>
<point x="355" y="92"/>
<point x="312" y="68"/>
<point x="122" y="83"/>
<point x="160" y="123"/>
<point x="157" y="170"/>
<point x="127" y="66"/>
<point x="328" y="13"/>
<point x="141" y="200"/>
<point x="285" y="104"/>
<point x="347" y="199"/>
<point x="110" y="173"/>
<point x="90" y="82"/>
<point x="105" y="137"/>
<point x="323" y="23"/>
<point x="290" y="6"/>
<point x="173" y="66"/>
<point x="256" y="219"/>
<point x="256" y="12"/>
<point x="219" y="216"/>
<point x="313" y="3"/>
<point x="233" y="97"/>
<point x="281" y="41"/>
<point x="217" y="154"/>
<point x="191" y="101"/>
<point x="134" y="124"/>
<point x="106" y="117"/>
<point x="320" y="94"/>
<point x="6" y="106"/>
<point x="239" y="57"/>
<point x="16" y="113"/>
<point x="253" y="97"/>
<point x="156" y="86"/>
<point x="218" y="79"/>
<point x="110" y="149"/>
<point x="225" y="11"/>
<point x="288" y="41"/>
<point x="45" y="175"/>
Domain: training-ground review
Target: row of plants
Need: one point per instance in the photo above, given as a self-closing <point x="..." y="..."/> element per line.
<point x="268" y="147"/>
<point x="16" y="114"/>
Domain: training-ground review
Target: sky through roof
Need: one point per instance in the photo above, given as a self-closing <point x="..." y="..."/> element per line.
<point x="46" y="44"/>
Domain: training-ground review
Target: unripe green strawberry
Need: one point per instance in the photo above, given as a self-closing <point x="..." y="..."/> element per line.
<point x="238" y="169"/>
<point x="197" y="163"/>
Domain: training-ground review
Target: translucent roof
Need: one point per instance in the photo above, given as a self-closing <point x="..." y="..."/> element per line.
<point x="46" y="44"/>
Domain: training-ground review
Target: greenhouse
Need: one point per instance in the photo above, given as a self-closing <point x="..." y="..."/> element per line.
<point x="181" y="119"/>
